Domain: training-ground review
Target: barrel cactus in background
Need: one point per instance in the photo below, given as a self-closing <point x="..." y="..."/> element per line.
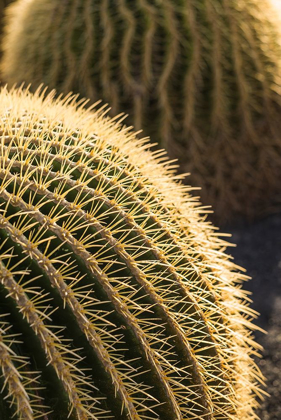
<point x="3" y="4"/>
<point x="116" y="297"/>
<point x="201" y="78"/>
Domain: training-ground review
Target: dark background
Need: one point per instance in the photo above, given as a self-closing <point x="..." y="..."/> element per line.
<point x="259" y="251"/>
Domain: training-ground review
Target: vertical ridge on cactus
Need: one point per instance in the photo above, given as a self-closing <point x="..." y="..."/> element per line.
<point x="123" y="299"/>
<point x="3" y="5"/>
<point x="202" y="78"/>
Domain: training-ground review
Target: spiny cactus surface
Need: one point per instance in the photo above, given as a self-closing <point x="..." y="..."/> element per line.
<point x="201" y="77"/>
<point x="116" y="299"/>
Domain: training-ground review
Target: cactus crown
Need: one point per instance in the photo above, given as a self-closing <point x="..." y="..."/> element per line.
<point x="116" y="299"/>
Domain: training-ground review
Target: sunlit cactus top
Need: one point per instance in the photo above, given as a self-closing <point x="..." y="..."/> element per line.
<point x="116" y="299"/>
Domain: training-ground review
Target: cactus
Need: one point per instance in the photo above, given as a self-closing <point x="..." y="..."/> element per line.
<point x="116" y="297"/>
<point x="3" y="4"/>
<point x="201" y="78"/>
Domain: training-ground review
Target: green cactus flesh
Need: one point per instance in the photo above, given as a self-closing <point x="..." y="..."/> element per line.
<point x="3" y="5"/>
<point x="200" y="77"/>
<point x="116" y="299"/>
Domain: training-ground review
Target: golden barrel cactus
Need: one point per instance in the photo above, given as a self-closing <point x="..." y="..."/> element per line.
<point x="201" y="78"/>
<point x="116" y="297"/>
<point x="3" y="4"/>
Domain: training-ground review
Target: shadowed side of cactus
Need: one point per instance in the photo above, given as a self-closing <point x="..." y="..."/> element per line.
<point x="202" y="78"/>
<point x="116" y="299"/>
<point x="3" y="4"/>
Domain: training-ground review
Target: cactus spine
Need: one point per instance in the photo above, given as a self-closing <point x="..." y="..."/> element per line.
<point x="116" y="298"/>
<point x="201" y="77"/>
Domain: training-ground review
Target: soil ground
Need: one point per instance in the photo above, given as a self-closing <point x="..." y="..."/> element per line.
<point x="259" y="251"/>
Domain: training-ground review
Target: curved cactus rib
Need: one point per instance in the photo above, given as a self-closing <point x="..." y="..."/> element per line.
<point x="56" y="353"/>
<point x="142" y="233"/>
<point x="219" y="110"/>
<point x="132" y="270"/>
<point x="161" y="219"/>
<point x="163" y="86"/>
<point x="148" y="41"/>
<point x="126" y="46"/>
<point x="244" y="100"/>
<point x="17" y="201"/>
<point x="119" y="303"/>
<point x="89" y="49"/>
<point x="70" y="57"/>
<point x="79" y="311"/>
<point x="13" y="379"/>
<point x="191" y="79"/>
<point x="148" y="286"/>
<point x="187" y="326"/>
<point x="69" y="296"/>
<point x="109" y="87"/>
<point x="151" y="202"/>
<point x="208" y="368"/>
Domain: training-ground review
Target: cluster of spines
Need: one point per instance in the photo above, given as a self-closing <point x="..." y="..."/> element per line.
<point x="129" y="257"/>
<point x="19" y="385"/>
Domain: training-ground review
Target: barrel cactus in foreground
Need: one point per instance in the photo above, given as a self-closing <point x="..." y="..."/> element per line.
<point x="116" y="299"/>
<point x="200" y="77"/>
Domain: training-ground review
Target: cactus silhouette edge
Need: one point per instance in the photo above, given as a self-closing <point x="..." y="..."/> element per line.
<point x="116" y="297"/>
